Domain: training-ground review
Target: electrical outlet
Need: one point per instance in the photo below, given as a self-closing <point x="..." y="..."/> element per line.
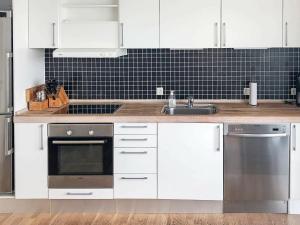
<point x="246" y="91"/>
<point x="160" y="91"/>
<point x="293" y="91"/>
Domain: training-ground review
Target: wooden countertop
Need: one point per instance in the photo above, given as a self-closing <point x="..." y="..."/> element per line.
<point x="152" y="112"/>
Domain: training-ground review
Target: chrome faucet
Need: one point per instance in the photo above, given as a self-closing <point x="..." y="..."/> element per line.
<point x="190" y="103"/>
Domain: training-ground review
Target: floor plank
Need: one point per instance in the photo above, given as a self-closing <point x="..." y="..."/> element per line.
<point x="148" y="219"/>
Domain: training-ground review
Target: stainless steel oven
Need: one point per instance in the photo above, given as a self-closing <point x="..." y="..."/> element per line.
<point x="80" y="156"/>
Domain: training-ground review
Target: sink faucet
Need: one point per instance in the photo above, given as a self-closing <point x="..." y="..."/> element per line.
<point x="190" y="102"/>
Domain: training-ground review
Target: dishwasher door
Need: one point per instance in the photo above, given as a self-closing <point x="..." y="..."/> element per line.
<point x="256" y="168"/>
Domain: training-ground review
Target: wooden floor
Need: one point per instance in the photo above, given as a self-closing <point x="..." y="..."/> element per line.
<point x="148" y="219"/>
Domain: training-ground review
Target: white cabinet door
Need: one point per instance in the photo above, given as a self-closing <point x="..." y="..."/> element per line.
<point x="251" y="23"/>
<point x="190" y="23"/>
<point x="190" y="161"/>
<point x="295" y="163"/>
<point x="139" y="23"/>
<point x="43" y="23"/>
<point x="31" y="165"/>
<point x="291" y="21"/>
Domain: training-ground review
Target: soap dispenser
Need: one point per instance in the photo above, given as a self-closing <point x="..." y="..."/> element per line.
<point x="172" y="100"/>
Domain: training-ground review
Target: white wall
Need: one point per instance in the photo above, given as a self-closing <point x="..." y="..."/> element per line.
<point x="29" y="65"/>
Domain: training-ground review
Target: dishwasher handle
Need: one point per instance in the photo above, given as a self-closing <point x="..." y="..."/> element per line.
<point x="258" y="135"/>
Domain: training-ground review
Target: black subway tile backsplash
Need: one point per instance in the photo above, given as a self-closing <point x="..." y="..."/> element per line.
<point x="204" y="74"/>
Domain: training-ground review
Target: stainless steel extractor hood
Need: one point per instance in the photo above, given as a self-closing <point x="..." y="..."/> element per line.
<point x="89" y="53"/>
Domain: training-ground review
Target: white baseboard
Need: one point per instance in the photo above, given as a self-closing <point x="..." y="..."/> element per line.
<point x="294" y="206"/>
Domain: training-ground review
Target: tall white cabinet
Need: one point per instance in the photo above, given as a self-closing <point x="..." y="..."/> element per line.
<point x="190" y="161"/>
<point x="43" y="23"/>
<point x="251" y="23"/>
<point x="294" y="203"/>
<point x="31" y="164"/>
<point x="190" y="23"/>
<point x="291" y="23"/>
<point x="139" y="20"/>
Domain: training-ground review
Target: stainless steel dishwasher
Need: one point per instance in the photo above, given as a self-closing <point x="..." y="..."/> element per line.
<point x="256" y="168"/>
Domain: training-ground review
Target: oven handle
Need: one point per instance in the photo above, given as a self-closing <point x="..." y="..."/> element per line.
<point x="258" y="135"/>
<point x="78" y="142"/>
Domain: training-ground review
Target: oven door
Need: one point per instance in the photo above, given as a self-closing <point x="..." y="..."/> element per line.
<point x="80" y="163"/>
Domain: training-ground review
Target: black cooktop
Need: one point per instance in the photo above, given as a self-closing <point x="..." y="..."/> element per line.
<point x="92" y="109"/>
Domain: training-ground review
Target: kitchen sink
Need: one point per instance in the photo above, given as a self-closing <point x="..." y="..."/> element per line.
<point x="207" y="109"/>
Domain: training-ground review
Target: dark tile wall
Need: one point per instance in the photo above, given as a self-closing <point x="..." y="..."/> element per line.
<point x="205" y="74"/>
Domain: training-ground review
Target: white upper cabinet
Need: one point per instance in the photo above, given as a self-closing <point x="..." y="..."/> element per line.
<point x="139" y="23"/>
<point x="190" y="161"/>
<point x="89" y="24"/>
<point x="43" y="24"/>
<point x="31" y="164"/>
<point x="295" y="163"/>
<point x="291" y="22"/>
<point x="251" y="23"/>
<point x="190" y="24"/>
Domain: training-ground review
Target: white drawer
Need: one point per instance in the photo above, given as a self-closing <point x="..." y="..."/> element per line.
<point x="135" y="160"/>
<point x="135" y="141"/>
<point x="135" y="128"/>
<point x="81" y="194"/>
<point x="135" y="186"/>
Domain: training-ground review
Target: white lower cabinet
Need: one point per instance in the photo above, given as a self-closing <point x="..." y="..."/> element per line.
<point x="190" y="161"/>
<point x="135" y="160"/>
<point x="135" y="186"/>
<point x="294" y="203"/>
<point x="80" y="193"/>
<point x="31" y="161"/>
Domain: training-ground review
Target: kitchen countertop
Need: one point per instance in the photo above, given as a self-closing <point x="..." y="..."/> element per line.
<point x="152" y="112"/>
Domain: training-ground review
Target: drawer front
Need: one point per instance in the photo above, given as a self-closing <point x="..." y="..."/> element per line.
<point x="135" y="128"/>
<point x="135" y="141"/>
<point x="135" y="160"/>
<point x="81" y="194"/>
<point x="135" y="186"/>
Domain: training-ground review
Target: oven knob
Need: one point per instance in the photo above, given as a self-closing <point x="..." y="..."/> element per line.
<point x="91" y="132"/>
<point x="69" y="132"/>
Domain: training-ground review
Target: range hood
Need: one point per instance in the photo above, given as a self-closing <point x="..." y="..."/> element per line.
<point x="89" y="53"/>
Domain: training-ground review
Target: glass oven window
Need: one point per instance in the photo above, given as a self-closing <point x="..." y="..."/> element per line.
<point x="80" y="159"/>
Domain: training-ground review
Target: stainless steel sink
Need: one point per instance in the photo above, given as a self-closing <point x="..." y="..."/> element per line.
<point x="208" y="109"/>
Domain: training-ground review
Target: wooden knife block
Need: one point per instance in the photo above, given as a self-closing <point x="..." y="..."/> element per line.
<point x="59" y="100"/>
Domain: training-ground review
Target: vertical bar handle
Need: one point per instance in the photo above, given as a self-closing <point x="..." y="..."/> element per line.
<point x="42" y="137"/>
<point x="224" y="34"/>
<point x="9" y="81"/>
<point x="122" y="34"/>
<point x="294" y="138"/>
<point x="53" y="34"/>
<point x="286" y="34"/>
<point x="218" y="138"/>
<point x="8" y="137"/>
<point x="216" y="34"/>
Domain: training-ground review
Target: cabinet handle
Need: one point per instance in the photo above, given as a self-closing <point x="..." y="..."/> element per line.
<point x="133" y="153"/>
<point x="286" y="34"/>
<point x="134" y="127"/>
<point x="137" y="139"/>
<point x="218" y="138"/>
<point x="122" y="34"/>
<point x="216" y="34"/>
<point x="224" y="34"/>
<point x="294" y="138"/>
<point x="53" y="34"/>
<point x="134" y="178"/>
<point x="42" y="137"/>
<point x="79" y="194"/>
